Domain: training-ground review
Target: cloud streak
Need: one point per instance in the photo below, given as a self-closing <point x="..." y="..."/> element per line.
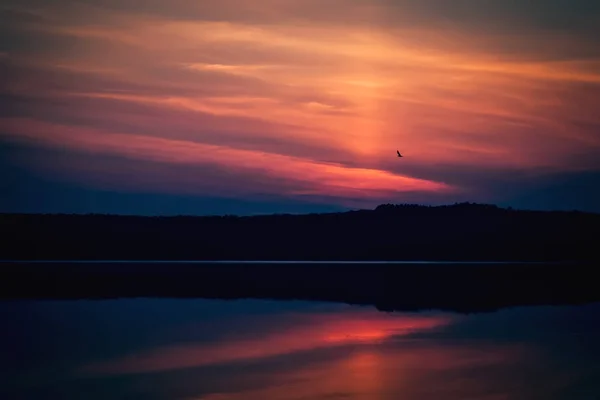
<point x="327" y="178"/>
<point x="313" y="97"/>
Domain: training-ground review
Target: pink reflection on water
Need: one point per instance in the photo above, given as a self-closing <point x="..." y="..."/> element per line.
<point x="420" y="371"/>
<point x="284" y="334"/>
<point x="353" y="353"/>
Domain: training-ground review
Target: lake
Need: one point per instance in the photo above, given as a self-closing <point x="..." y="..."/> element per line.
<point x="390" y="285"/>
<point x="192" y="349"/>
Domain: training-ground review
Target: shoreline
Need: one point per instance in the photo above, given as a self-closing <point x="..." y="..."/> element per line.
<point x="461" y="287"/>
<point x="284" y="262"/>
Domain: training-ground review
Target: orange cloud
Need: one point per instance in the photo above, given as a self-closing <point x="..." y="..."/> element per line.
<point x="351" y="80"/>
<point x="324" y="178"/>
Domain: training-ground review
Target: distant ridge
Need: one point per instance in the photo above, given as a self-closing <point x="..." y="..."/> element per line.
<point x="387" y="207"/>
<point x="461" y="232"/>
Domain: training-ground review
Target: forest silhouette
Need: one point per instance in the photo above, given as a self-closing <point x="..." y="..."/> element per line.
<point x="545" y="257"/>
<point x="462" y="232"/>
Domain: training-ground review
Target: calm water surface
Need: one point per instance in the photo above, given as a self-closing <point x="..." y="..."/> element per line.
<point x="261" y="350"/>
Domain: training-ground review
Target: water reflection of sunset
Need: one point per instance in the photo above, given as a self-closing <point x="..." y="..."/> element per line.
<point x="375" y="373"/>
<point x="260" y="350"/>
<point x="300" y="333"/>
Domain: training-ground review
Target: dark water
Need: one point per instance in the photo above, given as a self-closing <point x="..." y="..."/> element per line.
<point x="260" y="350"/>
<point x="278" y="262"/>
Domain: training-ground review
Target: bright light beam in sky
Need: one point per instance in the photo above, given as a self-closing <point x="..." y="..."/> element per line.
<point x="307" y="98"/>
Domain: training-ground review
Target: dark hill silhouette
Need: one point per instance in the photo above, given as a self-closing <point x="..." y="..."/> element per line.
<point x="565" y="242"/>
<point x="390" y="232"/>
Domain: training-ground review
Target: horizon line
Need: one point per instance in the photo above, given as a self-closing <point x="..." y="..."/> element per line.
<point x="400" y="205"/>
<point x="404" y="262"/>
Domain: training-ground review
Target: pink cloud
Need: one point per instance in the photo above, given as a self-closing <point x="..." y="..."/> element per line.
<point x="313" y="95"/>
<point x="322" y="178"/>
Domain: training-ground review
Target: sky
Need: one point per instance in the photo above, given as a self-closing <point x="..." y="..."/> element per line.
<point x="262" y="106"/>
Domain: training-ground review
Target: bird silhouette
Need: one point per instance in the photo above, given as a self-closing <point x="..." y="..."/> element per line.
<point x="399" y="155"/>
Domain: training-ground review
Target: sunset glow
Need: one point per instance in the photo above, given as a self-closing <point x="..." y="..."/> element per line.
<point x="302" y="99"/>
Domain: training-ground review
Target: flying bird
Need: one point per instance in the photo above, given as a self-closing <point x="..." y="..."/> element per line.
<point x="399" y="155"/>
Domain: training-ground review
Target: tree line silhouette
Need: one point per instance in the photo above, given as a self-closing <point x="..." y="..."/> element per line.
<point x="463" y="231"/>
